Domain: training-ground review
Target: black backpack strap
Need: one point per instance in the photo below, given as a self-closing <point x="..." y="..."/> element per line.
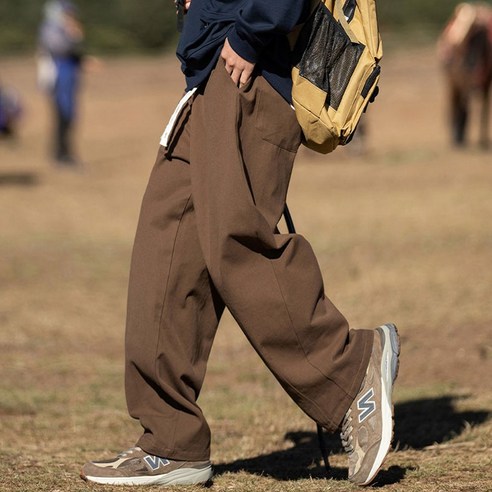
<point x="288" y="220"/>
<point x="323" y="448"/>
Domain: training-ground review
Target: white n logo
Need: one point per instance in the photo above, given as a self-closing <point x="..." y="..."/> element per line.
<point x="155" y="462"/>
<point x="366" y="405"/>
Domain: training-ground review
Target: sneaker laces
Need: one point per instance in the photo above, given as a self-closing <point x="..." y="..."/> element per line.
<point x="346" y="433"/>
<point x="129" y="451"/>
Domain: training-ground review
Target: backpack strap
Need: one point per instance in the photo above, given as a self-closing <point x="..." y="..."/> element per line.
<point x="323" y="449"/>
<point x="340" y="16"/>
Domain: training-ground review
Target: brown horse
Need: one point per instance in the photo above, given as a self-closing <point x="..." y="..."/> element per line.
<point x="465" y="51"/>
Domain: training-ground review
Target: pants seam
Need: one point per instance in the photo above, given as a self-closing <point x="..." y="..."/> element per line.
<point x="164" y="302"/>
<point x="305" y="355"/>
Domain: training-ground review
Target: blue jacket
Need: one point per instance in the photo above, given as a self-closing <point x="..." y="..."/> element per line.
<point x="256" y="30"/>
<point x="66" y="53"/>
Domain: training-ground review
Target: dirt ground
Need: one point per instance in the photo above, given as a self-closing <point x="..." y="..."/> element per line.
<point x="400" y="224"/>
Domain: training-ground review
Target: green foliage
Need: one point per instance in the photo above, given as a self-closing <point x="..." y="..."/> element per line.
<point x="154" y="26"/>
<point x="115" y="26"/>
<point x="120" y="26"/>
<point x="414" y="15"/>
<point x="130" y="25"/>
<point x="18" y="21"/>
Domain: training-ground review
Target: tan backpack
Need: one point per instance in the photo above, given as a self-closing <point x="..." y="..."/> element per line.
<point x="336" y="70"/>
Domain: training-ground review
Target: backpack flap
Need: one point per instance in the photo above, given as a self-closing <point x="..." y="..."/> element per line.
<point x="335" y="71"/>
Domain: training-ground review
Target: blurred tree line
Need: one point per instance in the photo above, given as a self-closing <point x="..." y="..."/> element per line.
<point x="112" y="26"/>
<point x="122" y="26"/>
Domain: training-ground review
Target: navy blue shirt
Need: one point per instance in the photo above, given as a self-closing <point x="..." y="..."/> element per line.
<point x="256" y="30"/>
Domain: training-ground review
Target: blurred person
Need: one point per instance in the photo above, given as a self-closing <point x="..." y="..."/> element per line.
<point x="10" y="111"/>
<point x="207" y="239"/>
<point x="61" y="52"/>
<point x="465" y="52"/>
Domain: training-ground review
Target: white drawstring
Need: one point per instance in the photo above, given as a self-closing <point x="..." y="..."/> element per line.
<point x="170" y="126"/>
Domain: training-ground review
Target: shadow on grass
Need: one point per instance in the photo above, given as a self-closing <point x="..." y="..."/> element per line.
<point x="422" y="423"/>
<point x="19" y="179"/>
<point x="419" y="423"/>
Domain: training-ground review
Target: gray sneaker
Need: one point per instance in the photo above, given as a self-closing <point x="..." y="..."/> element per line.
<point x="136" y="467"/>
<point x="367" y="429"/>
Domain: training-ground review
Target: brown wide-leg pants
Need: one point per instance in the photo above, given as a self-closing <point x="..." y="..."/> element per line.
<point x="207" y="238"/>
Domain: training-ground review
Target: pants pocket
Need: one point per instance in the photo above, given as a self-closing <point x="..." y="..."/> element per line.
<point x="276" y="120"/>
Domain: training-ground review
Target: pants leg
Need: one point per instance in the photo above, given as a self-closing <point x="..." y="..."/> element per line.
<point x="62" y="140"/>
<point x="270" y="282"/>
<point x="173" y="312"/>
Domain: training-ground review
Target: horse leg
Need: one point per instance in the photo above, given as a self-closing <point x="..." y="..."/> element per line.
<point x="459" y="108"/>
<point x="484" y="124"/>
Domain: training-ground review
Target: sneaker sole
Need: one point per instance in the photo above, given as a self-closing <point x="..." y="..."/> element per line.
<point x="389" y="373"/>
<point x="183" y="476"/>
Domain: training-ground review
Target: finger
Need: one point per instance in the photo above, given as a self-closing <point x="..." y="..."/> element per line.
<point x="235" y="76"/>
<point x="245" y="76"/>
<point x="229" y="68"/>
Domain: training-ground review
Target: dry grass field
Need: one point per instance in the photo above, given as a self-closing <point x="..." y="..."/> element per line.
<point x="403" y="234"/>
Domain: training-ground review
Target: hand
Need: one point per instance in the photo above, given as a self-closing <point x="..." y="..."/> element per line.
<point x="92" y="64"/>
<point x="186" y="4"/>
<point x="73" y="27"/>
<point x="237" y="67"/>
